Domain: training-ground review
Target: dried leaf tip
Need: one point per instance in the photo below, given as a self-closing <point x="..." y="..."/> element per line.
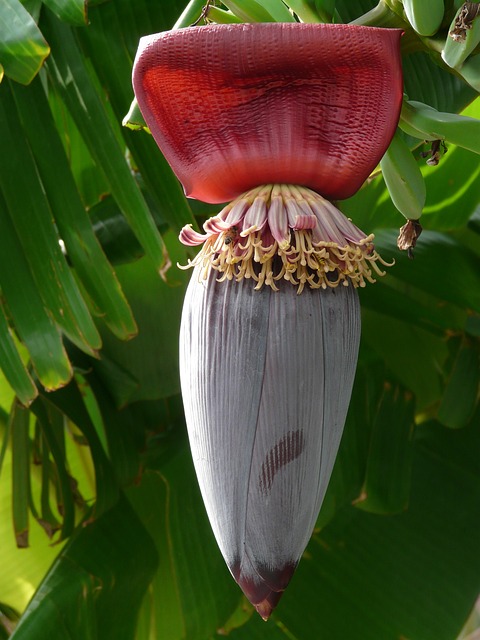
<point x="287" y="232"/>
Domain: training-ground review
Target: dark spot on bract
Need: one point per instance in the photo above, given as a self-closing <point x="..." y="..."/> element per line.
<point x="286" y="450"/>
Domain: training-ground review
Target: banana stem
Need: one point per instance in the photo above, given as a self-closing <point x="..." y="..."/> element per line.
<point x="305" y="12"/>
<point x="190" y="14"/>
<point x="380" y="16"/>
<point x="385" y="15"/>
<point x="221" y="17"/>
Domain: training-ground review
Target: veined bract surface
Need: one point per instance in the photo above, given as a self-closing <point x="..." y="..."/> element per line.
<point x="266" y="382"/>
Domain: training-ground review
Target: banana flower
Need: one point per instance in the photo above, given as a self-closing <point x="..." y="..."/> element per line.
<point x="278" y="120"/>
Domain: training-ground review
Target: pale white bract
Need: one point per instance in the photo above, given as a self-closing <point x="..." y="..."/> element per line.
<point x="266" y="382"/>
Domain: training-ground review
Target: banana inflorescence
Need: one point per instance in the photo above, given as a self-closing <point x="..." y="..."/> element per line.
<point x="425" y="17"/>
<point x="403" y="178"/>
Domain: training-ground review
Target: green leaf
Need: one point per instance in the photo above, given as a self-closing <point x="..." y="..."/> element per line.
<point x="387" y="483"/>
<point x="22" y="569"/>
<point x="20" y="421"/>
<point x="402" y="301"/>
<point x="65" y="499"/>
<point x="72" y="79"/>
<point x="71" y="403"/>
<point x="452" y="190"/>
<point x="23" y="49"/>
<point x="115" y="74"/>
<point x="461" y="391"/>
<point x="412" y="354"/>
<point x="168" y="501"/>
<point x="157" y="307"/>
<point x="12" y="365"/>
<point x="456" y="283"/>
<point x="30" y="214"/>
<point x="48" y="519"/>
<point x="113" y="232"/>
<point x="95" y="587"/>
<point x="71" y="11"/>
<point x="34" y="325"/>
<point x="124" y="443"/>
<point x="75" y="228"/>
<point x="427" y="82"/>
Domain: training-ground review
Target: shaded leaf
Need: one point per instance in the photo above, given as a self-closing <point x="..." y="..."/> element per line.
<point x="65" y="499"/>
<point x="457" y="283"/>
<point x="412" y="354"/>
<point x="20" y="421"/>
<point x="157" y="307"/>
<point x="70" y="402"/>
<point x="461" y="390"/>
<point x="95" y="587"/>
<point x="389" y="464"/>
<point x="71" y="11"/>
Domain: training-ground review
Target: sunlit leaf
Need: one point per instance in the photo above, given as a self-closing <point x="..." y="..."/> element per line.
<point x="22" y="46"/>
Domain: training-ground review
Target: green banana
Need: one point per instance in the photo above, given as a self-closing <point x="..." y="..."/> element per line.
<point x="426" y="123"/>
<point x="470" y="71"/>
<point x="463" y="35"/>
<point x="424" y="16"/>
<point x="253" y="11"/>
<point x="403" y="178"/>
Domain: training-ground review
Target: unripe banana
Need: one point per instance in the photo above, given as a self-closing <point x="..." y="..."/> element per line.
<point x="265" y="11"/>
<point x="470" y="71"/>
<point x="463" y="35"/>
<point x="430" y="124"/>
<point x="425" y="16"/>
<point x="403" y="178"/>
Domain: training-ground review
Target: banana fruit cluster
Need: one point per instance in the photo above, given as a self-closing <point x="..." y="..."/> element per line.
<point x="425" y="17"/>
<point x="463" y="36"/>
<point x="400" y="169"/>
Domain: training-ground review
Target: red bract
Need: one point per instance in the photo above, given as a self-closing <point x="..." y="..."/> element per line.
<point x="236" y="106"/>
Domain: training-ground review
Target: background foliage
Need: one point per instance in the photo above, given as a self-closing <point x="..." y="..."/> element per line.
<point x="95" y="468"/>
